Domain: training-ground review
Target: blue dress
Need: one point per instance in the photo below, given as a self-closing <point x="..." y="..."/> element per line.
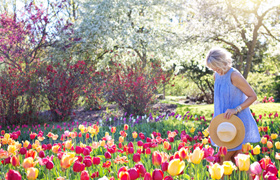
<point x="227" y="96"/>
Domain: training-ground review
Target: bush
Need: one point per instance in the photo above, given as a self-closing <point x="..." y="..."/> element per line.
<point x="133" y="87"/>
<point x="262" y="84"/>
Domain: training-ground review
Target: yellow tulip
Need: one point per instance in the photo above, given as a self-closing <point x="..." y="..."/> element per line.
<point x="82" y="128"/>
<point x="12" y="149"/>
<point x="246" y="148"/>
<point x="228" y="167"/>
<point x="134" y="135"/>
<point x="175" y="167"/>
<point x="269" y="144"/>
<point x="32" y="173"/>
<point x="54" y="137"/>
<point x="257" y="150"/>
<point x="243" y="162"/>
<point x="277" y="145"/>
<point x="205" y="132"/>
<point x="274" y="136"/>
<point x="67" y="159"/>
<point x="28" y="163"/>
<point x="103" y="143"/>
<point x="196" y="156"/>
<point x="216" y="171"/>
<point x="192" y="130"/>
<point x="26" y="143"/>
<point x="204" y="141"/>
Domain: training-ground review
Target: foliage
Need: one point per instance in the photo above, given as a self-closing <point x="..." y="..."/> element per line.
<point x="238" y="25"/>
<point x="133" y="87"/>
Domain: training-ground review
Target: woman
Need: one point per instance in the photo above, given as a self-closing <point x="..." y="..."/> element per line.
<point x="232" y="95"/>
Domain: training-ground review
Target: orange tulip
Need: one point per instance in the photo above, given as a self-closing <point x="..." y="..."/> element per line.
<point x="113" y="130"/>
<point x="67" y="159"/>
<point x="121" y="139"/>
<point x="31" y="153"/>
<point x="246" y="148"/>
<point x="166" y="145"/>
<point x="32" y="173"/>
<point x="3" y="154"/>
<point x="55" y="149"/>
<point x="269" y="144"/>
<point x="156" y="158"/>
<point x="28" y="163"/>
<point x="68" y="144"/>
<point x="264" y="140"/>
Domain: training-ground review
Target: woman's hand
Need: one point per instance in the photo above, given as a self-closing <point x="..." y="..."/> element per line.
<point x="229" y="113"/>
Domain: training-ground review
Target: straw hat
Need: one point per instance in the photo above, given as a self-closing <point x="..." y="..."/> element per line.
<point x="227" y="132"/>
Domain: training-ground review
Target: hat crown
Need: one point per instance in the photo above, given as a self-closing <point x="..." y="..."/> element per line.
<point x="226" y="131"/>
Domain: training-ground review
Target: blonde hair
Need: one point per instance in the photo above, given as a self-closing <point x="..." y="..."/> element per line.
<point x="220" y="58"/>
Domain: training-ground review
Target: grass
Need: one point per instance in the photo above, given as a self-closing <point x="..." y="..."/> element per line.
<point x="208" y="110"/>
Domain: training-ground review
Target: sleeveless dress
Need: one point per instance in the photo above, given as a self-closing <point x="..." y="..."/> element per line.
<point x="227" y="96"/>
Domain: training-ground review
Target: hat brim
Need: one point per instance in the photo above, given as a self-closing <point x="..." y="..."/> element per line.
<point x="236" y="121"/>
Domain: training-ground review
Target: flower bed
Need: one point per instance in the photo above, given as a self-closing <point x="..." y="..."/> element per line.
<point x="167" y="148"/>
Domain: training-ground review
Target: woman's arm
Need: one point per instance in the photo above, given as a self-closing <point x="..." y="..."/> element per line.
<point x="240" y="82"/>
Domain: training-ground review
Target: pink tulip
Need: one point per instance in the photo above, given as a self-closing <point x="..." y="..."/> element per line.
<point x="141" y="169"/>
<point x="84" y="175"/>
<point x="256" y="168"/>
<point x="133" y="173"/>
<point x="136" y="157"/>
<point x="147" y="176"/>
<point x="164" y="166"/>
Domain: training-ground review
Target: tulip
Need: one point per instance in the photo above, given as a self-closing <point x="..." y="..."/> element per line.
<point x="257" y="150"/>
<point x="124" y="175"/>
<point x="222" y="151"/>
<point x="156" y="158"/>
<point x="125" y="127"/>
<point x="147" y="176"/>
<point x="113" y="129"/>
<point x="157" y="175"/>
<point x="107" y="155"/>
<point x="196" y="156"/>
<point x="277" y="145"/>
<point x="256" y="168"/>
<point x="67" y="159"/>
<point x="84" y="175"/>
<point x="277" y="156"/>
<point x="68" y="144"/>
<point x="216" y="171"/>
<point x="49" y="165"/>
<point x="13" y="175"/>
<point x="32" y="173"/>
<point x="136" y="157"/>
<point x="271" y="168"/>
<point x="164" y="166"/>
<point x="264" y="140"/>
<point x="79" y="150"/>
<point x="140" y="143"/>
<point x="23" y="151"/>
<point x="205" y="141"/>
<point x="273" y="136"/>
<point x="28" y="163"/>
<point x="15" y="161"/>
<point x="134" y="135"/>
<point x="269" y="144"/>
<point x="264" y="162"/>
<point x="121" y="139"/>
<point x="41" y="154"/>
<point x="88" y="162"/>
<point x="96" y="160"/>
<point x="243" y="162"/>
<point x="228" y="167"/>
<point x="78" y="166"/>
<point x="175" y="167"/>
<point x="192" y="130"/>
<point x="12" y="149"/>
<point x="86" y="152"/>
<point x="166" y="145"/>
<point x="183" y="153"/>
<point x="141" y="169"/>
<point x="246" y="148"/>
<point x="133" y="173"/>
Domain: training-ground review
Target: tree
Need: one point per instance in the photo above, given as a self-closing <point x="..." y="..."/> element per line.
<point x="238" y="24"/>
<point x="146" y="29"/>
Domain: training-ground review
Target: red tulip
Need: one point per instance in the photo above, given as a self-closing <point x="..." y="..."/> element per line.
<point x="96" y="160"/>
<point x="148" y="151"/>
<point x="13" y="175"/>
<point x="139" y="143"/>
<point x="23" y="151"/>
<point x="86" y="152"/>
<point x="156" y="158"/>
<point x="49" y="165"/>
<point x="147" y="176"/>
<point x="78" y="167"/>
<point x="15" y="161"/>
<point x="41" y="154"/>
<point x="141" y="169"/>
<point x="136" y="157"/>
<point x="164" y="166"/>
<point x="168" y="178"/>
<point x="84" y="175"/>
<point x="107" y="155"/>
<point x="133" y="173"/>
<point x="157" y="174"/>
<point x="130" y="150"/>
<point x="87" y="162"/>
<point x="79" y="150"/>
<point x="87" y="135"/>
<point x="130" y="144"/>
